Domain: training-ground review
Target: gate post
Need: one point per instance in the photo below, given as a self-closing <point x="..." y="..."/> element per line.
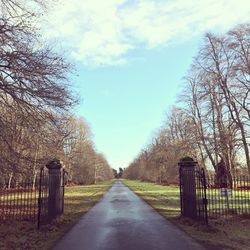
<point x="55" y="192"/>
<point x="188" y="187"/>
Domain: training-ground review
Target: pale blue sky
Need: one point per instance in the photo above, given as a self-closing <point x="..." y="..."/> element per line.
<point x="131" y="56"/>
<point x="125" y="104"/>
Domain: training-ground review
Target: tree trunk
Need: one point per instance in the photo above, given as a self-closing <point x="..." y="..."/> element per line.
<point x="10" y="179"/>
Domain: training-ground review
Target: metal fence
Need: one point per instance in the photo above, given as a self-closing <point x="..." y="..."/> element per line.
<point x="201" y="195"/>
<point x="231" y="198"/>
<point x="38" y="200"/>
<point x="19" y="201"/>
<point x="43" y="198"/>
<point x="206" y="196"/>
<point x="26" y="200"/>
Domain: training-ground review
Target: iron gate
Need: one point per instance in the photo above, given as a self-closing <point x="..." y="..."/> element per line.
<point x="39" y="199"/>
<point x="43" y="197"/>
<point x="201" y="195"/>
<point x="193" y="196"/>
<point x="51" y="193"/>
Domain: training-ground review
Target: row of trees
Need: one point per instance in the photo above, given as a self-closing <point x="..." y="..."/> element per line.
<point x="211" y="123"/>
<point x="35" y="103"/>
<point x="84" y="164"/>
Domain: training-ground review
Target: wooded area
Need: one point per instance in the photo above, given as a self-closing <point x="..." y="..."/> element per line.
<point x="211" y="121"/>
<point x="36" y="100"/>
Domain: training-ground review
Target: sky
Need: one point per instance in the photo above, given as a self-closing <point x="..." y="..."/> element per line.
<point x="130" y="58"/>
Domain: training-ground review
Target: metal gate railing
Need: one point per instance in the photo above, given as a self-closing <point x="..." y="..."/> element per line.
<point x="43" y="198"/>
<point x="39" y="199"/>
<point x="51" y="192"/>
<point x="201" y="195"/>
<point x="211" y="196"/>
<point x="193" y="193"/>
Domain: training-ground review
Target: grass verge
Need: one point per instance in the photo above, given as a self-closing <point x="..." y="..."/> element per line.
<point x="231" y="233"/>
<point x="23" y="235"/>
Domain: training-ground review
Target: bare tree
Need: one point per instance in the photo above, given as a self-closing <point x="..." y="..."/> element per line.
<point x="212" y="124"/>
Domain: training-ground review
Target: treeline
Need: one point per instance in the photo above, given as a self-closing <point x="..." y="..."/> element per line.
<point x="36" y="124"/>
<point x="211" y="122"/>
<point x="83" y="163"/>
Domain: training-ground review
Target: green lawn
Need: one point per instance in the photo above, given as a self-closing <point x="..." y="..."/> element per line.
<point x="164" y="199"/>
<point x="23" y="235"/>
<point x="230" y="233"/>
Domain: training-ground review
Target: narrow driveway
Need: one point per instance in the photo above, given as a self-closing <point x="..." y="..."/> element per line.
<point x="123" y="221"/>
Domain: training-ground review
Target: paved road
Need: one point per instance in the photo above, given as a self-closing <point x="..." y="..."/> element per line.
<point x="123" y="221"/>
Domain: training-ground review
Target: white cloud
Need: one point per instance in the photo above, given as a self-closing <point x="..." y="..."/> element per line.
<point x="102" y="32"/>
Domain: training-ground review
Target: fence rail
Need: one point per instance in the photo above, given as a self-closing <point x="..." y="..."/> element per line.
<point x="230" y="199"/>
<point x="39" y="200"/>
<point x="19" y="202"/>
<point x="43" y="198"/>
<point x="206" y="196"/>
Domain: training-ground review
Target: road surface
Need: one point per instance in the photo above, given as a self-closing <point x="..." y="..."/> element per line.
<point x="123" y="221"/>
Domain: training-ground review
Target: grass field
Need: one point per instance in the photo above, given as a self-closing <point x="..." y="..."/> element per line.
<point x="23" y="235"/>
<point x="230" y="233"/>
<point x="164" y="199"/>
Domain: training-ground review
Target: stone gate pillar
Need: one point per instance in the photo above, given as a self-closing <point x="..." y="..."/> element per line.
<point x="188" y="187"/>
<point x="55" y="192"/>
